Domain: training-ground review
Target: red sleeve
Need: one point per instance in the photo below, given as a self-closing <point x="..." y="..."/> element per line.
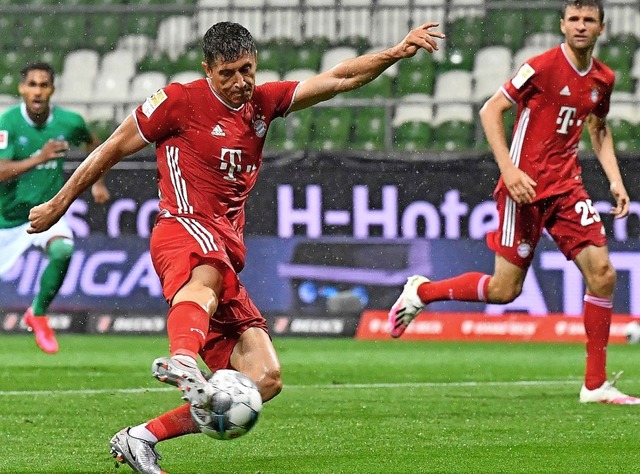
<point x="602" y="108"/>
<point x="159" y="115"/>
<point x="278" y="96"/>
<point x="524" y="83"/>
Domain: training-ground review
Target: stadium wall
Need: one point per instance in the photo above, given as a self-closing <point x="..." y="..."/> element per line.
<point x="330" y="238"/>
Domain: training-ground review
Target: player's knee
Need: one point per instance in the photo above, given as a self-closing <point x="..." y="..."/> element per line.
<point x="60" y="250"/>
<point x="602" y="281"/>
<point x="271" y="383"/>
<point x="500" y="293"/>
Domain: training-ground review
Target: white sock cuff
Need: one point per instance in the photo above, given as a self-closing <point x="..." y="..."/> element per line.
<point x="602" y="302"/>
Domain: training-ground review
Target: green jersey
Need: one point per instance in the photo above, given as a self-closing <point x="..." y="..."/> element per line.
<point x="21" y="138"/>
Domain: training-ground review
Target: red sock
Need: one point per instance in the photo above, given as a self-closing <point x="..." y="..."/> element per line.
<point x="187" y="327"/>
<point x="597" y="320"/>
<point x="466" y="287"/>
<point x="174" y="423"/>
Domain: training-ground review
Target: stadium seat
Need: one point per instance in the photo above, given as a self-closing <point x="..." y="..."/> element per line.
<point x="466" y="33"/>
<point x="270" y="55"/>
<point x="412" y="122"/>
<point x="466" y="9"/>
<point x="624" y="81"/>
<point x="331" y="128"/>
<point x="524" y="54"/>
<point x="354" y="19"/>
<point x="6" y="101"/>
<point x="625" y="134"/>
<point x="210" y="12"/>
<point x="336" y="55"/>
<point x="145" y="84"/>
<point x="298" y="75"/>
<point x="412" y="136"/>
<point x="276" y="135"/>
<point x="392" y="19"/>
<point x="146" y="24"/>
<point x="102" y="128"/>
<point x="320" y="19"/>
<point x="635" y="66"/>
<point x="453" y="87"/>
<point x="156" y="61"/>
<point x="624" y="106"/>
<point x="380" y="88"/>
<point x="298" y="129"/>
<point x="78" y="75"/>
<point x="506" y="27"/>
<point x="250" y="14"/>
<point x="491" y="68"/>
<point x="283" y="19"/>
<point x="264" y="75"/>
<point x="138" y="44"/>
<point x="9" y="83"/>
<point x="174" y="34"/>
<point x="623" y="20"/>
<point x="616" y="54"/>
<point x="304" y="56"/>
<point x="544" y="40"/>
<point x="189" y="59"/>
<point x="415" y="75"/>
<point x="109" y="87"/>
<point x="186" y="76"/>
<point x="105" y="31"/>
<point x="369" y="128"/>
<point x="457" y="58"/>
<point x="541" y="20"/>
<point x="453" y="135"/>
<point x="119" y="61"/>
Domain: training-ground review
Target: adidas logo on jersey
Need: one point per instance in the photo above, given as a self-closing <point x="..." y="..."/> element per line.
<point x="217" y="131"/>
<point x="565" y="91"/>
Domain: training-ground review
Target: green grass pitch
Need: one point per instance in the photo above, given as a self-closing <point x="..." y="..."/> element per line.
<point x="360" y="407"/>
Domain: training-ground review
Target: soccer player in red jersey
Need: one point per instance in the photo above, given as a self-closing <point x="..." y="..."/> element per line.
<point x="557" y="93"/>
<point x="209" y="136"/>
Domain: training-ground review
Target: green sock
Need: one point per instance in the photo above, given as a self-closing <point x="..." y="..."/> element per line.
<point x="59" y="252"/>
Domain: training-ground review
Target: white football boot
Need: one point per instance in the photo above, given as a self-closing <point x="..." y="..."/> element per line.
<point x="607" y="393"/>
<point x="139" y="454"/>
<point x="195" y="387"/>
<point x="407" y="306"/>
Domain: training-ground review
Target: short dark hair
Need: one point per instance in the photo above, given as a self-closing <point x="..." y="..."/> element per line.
<point x="227" y="41"/>
<point x="37" y="66"/>
<point x="584" y="3"/>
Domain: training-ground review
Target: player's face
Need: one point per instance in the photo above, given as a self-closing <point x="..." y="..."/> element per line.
<point x="233" y="81"/>
<point x="36" y="90"/>
<point x="581" y="27"/>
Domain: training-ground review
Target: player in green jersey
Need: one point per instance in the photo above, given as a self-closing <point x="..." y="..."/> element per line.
<point x="34" y="139"/>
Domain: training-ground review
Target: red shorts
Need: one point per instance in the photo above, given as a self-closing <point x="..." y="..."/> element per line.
<point x="226" y="326"/>
<point x="180" y="244"/>
<point x="570" y="219"/>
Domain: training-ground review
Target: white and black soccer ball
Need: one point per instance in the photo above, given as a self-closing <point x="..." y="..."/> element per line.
<point x="234" y="409"/>
<point x="632" y="332"/>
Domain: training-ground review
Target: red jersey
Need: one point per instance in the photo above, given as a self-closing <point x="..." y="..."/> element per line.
<point x="208" y="153"/>
<point x="554" y="100"/>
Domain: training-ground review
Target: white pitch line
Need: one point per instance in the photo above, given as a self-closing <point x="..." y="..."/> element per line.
<point x="521" y="383"/>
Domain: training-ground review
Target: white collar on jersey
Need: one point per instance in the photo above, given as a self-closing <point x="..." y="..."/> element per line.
<point x="25" y="115"/>
<point x="221" y="99"/>
<point x="582" y="73"/>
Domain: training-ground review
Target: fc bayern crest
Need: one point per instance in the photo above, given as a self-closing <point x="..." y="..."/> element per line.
<point x="260" y="127"/>
<point x="594" y="95"/>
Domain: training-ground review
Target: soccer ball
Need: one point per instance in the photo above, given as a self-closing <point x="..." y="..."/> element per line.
<point x="234" y="409"/>
<point x="632" y="332"/>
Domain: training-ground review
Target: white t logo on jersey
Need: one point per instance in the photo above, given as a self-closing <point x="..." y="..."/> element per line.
<point x="566" y="118"/>
<point x="235" y="157"/>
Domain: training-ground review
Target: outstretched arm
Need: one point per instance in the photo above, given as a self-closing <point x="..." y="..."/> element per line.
<point x="356" y="72"/>
<point x="99" y="189"/>
<point x="123" y="142"/>
<point x="602" y="142"/>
